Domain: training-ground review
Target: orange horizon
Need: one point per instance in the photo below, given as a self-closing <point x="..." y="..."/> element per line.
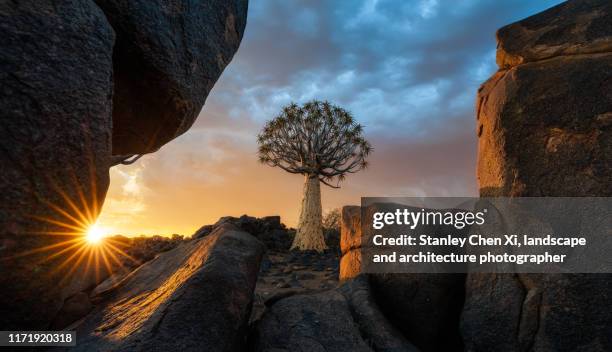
<point x="179" y="189"/>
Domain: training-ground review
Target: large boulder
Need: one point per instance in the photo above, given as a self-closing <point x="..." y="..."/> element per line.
<point x="196" y="296"/>
<point x="572" y="28"/>
<point x="426" y="308"/>
<point x="339" y="320"/>
<point x="537" y="312"/>
<point x="55" y="143"/>
<point x="544" y="130"/>
<point x="166" y="60"/>
<point x="375" y="327"/>
<point x="78" y="95"/>
<point x="312" y="322"/>
<point x="544" y="125"/>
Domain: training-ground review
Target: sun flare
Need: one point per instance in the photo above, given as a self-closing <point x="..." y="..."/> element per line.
<point x="95" y="234"/>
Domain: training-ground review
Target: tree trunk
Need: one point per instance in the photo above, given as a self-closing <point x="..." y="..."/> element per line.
<point x="310" y="229"/>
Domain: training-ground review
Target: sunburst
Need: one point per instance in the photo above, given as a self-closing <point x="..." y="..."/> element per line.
<point x="95" y="234"/>
<point x="79" y="244"/>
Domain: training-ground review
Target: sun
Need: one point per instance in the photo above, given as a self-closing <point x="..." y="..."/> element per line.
<point x="95" y="234"/>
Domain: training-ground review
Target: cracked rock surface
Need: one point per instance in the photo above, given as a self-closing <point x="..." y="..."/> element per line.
<point x="198" y="294"/>
<point x="543" y="126"/>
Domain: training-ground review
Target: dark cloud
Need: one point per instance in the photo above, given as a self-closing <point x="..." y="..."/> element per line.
<point x="395" y="57"/>
<point x="407" y="70"/>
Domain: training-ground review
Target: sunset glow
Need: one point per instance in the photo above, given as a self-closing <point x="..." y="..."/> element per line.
<point x="81" y="246"/>
<point x="95" y="234"/>
<point x="419" y="118"/>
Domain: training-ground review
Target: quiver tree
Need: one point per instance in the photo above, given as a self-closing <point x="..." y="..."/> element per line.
<point x="322" y="142"/>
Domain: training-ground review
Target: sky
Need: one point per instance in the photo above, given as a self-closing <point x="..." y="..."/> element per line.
<point x="407" y="70"/>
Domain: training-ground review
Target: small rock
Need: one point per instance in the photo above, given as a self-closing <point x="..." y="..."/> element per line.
<point x="306" y="276"/>
<point x="332" y="283"/>
<point x="319" y="267"/>
<point x="287" y="270"/>
<point x="295" y="283"/>
<point x="266" y="265"/>
<point x="282" y="284"/>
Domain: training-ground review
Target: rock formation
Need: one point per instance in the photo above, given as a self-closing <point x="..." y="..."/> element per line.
<point x="167" y="57"/>
<point x="544" y="130"/>
<point x="324" y="323"/>
<point x="196" y="296"/>
<point x="55" y="142"/>
<point x="268" y="230"/>
<point x="343" y="319"/>
<point x="543" y="120"/>
<point x="85" y="85"/>
<point x="350" y="242"/>
<point x="425" y="308"/>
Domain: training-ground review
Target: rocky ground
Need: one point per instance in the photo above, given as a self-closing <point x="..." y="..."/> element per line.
<point x="283" y="272"/>
<point x="249" y="263"/>
<point x="286" y="273"/>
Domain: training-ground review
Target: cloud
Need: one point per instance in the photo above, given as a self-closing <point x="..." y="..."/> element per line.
<point x="408" y="71"/>
<point x="125" y="201"/>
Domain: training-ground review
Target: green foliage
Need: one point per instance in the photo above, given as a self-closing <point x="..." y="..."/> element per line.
<point x="317" y="139"/>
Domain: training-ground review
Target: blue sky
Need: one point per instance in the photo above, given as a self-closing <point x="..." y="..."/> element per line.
<point x="407" y="70"/>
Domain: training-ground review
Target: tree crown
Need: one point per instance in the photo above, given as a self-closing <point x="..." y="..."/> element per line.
<point x="317" y="139"/>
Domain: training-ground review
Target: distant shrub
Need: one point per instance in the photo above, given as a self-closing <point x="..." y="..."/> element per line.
<point x="141" y="249"/>
<point x="331" y="228"/>
<point x="331" y="220"/>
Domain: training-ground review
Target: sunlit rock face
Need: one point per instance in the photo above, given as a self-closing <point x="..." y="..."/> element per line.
<point x="543" y="122"/>
<point x="350" y="242"/>
<point x="166" y="59"/>
<point x="55" y="142"/>
<point x="196" y="296"/>
<point x="576" y="28"/>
